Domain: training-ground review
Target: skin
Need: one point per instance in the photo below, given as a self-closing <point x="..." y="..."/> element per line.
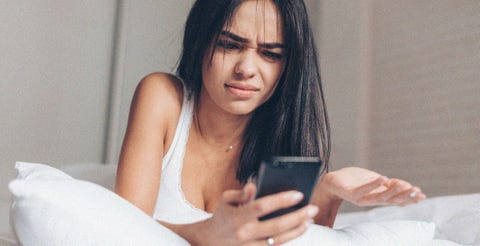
<point x="242" y="75"/>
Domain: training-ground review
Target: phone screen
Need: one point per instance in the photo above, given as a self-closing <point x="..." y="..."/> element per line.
<point x="283" y="173"/>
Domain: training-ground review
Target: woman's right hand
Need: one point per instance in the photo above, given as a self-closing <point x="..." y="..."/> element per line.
<point x="235" y="221"/>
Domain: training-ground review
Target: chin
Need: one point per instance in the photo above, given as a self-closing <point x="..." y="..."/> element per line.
<point x="241" y="108"/>
<point x="241" y="112"/>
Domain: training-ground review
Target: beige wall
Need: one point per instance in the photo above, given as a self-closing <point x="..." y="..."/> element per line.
<point x="402" y="84"/>
<point x="425" y="93"/>
<point x="54" y="79"/>
<point x="341" y="37"/>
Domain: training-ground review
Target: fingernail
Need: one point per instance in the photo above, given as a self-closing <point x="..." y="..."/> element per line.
<point x="412" y="194"/>
<point x="312" y="211"/>
<point x="296" y="196"/>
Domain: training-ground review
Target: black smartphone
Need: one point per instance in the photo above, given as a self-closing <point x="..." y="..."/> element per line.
<point x="283" y="173"/>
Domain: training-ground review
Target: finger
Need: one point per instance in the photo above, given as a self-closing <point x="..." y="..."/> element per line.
<point x="397" y="183"/>
<point x="239" y="197"/>
<point x="235" y="197"/>
<point x="404" y="197"/>
<point x="268" y="204"/>
<point x="420" y="197"/>
<point x="249" y="192"/>
<point x="395" y="189"/>
<point x="286" y="222"/>
<point x="368" y="187"/>
<point x="412" y="196"/>
<point x="289" y="235"/>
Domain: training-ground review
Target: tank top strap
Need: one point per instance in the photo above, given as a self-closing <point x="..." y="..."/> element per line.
<point x="177" y="149"/>
<point x="171" y="205"/>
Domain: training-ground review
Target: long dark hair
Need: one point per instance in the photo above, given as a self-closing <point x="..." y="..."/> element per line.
<point x="294" y="121"/>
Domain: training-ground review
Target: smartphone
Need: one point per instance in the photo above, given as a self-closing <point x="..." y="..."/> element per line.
<point x="283" y="173"/>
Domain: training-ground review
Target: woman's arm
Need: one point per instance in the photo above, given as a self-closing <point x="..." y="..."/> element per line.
<point x="361" y="187"/>
<point x="156" y="101"/>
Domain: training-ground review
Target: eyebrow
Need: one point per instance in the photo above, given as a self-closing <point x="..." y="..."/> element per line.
<point x="244" y="40"/>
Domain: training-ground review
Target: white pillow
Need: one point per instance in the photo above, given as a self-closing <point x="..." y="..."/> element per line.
<point x="52" y="208"/>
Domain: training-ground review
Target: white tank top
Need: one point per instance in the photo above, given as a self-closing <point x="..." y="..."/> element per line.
<point x="171" y="206"/>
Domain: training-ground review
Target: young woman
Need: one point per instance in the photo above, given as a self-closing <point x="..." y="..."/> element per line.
<point x="247" y="87"/>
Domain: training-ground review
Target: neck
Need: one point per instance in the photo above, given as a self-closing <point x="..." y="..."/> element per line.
<point x="218" y="127"/>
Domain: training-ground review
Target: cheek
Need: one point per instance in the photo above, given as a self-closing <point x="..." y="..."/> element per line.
<point x="274" y="73"/>
<point x="217" y="69"/>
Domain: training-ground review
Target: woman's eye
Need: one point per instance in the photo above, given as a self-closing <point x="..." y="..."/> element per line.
<point x="272" y="55"/>
<point x="228" y="45"/>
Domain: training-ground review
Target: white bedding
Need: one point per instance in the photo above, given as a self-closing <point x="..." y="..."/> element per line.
<point x="457" y="218"/>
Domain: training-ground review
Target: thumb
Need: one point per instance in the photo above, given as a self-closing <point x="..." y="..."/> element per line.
<point x="249" y="191"/>
<point x="239" y="197"/>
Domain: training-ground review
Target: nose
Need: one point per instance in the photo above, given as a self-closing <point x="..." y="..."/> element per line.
<point x="246" y="66"/>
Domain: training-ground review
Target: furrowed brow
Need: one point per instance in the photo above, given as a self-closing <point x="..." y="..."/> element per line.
<point x="272" y="45"/>
<point x="233" y="36"/>
<point x="244" y="40"/>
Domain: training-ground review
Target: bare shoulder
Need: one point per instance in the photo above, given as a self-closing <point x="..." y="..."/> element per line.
<point x="161" y="88"/>
<point x="159" y="95"/>
<point x="156" y="106"/>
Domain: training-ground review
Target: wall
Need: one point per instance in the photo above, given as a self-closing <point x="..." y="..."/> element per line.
<point x="342" y="38"/>
<point x="54" y="79"/>
<point x="402" y="84"/>
<point x="425" y="88"/>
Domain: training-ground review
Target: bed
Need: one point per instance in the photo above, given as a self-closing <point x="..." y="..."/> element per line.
<point x="456" y="218"/>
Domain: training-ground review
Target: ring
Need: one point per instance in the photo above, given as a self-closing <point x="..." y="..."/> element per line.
<point x="270" y="241"/>
<point x="413" y="194"/>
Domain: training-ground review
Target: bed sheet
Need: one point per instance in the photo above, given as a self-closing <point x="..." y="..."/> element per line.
<point x="457" y="217"/>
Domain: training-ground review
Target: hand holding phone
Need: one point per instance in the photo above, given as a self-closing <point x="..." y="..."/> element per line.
<point x="283" y="173"/>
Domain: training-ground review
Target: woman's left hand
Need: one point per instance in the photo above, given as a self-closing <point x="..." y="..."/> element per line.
<point x="363" y="187"/>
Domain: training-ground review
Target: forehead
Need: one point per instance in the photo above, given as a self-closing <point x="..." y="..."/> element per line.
<point x="258" y="20"/>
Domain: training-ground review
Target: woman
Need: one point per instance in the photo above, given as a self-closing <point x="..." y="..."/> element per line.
<point x="248" y="86"/>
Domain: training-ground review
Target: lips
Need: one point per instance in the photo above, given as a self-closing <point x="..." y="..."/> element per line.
<point x="242" y="91"/>
<point x="244" y="87"/>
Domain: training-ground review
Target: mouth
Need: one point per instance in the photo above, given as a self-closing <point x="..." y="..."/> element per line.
<point x="242" y="87"/>
<point x="241" y="90"/>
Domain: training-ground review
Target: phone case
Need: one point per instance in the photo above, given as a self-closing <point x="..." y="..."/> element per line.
<point x="282" y="173"/>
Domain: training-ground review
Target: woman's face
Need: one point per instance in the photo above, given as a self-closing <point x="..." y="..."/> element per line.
<point x="248" y="60"/>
